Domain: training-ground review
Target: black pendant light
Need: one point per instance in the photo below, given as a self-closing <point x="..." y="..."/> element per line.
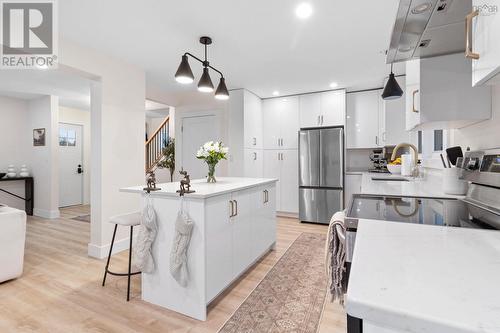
<point x="222" y="93"/>
<point x="392" y="89"/>
<point x="205" y="84"/>
<point x="185" y="75"/>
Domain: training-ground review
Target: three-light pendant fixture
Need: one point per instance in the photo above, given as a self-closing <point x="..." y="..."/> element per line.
<point x="185" y="75"/>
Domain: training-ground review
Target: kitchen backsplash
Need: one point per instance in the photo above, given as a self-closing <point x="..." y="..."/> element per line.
<point x="358" y="159"/>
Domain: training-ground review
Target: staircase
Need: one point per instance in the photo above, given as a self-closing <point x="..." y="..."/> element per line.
<point x="155" y="145"/>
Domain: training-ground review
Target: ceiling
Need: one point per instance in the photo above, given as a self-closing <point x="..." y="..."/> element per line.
<point x="259" y="45"/>
<point x="73" y="91"/>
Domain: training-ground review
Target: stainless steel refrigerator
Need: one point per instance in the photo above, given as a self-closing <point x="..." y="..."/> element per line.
<point x="321" y="173"/>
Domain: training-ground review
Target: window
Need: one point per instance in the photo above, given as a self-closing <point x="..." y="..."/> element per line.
<point x="438" y="140"/>
<point x="67" y="137"/>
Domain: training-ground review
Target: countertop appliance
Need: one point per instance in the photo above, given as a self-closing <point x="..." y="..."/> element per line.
<point x="479" y="209"/>
<point x="321" y="173"/>
<point x="380" y="157"/>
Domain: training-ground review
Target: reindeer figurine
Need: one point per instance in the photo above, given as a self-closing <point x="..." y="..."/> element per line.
<point x="151" y="182"/>
<point x="185" y="186"/>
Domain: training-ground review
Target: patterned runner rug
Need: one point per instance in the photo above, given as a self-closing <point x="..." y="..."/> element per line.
<point x="290" y="297"/>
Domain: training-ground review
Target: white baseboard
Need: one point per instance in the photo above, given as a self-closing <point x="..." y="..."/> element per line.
<point x="288" y="215"/>
<point x="102" y="251"/>
<point x="47" y="214"/>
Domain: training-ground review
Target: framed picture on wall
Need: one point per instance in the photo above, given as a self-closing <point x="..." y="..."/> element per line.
<point x="39" y="137"/>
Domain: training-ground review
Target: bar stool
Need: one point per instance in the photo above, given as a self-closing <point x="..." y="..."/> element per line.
<point x="127" y="220"/>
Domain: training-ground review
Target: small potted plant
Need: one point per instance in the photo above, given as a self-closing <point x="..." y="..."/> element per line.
<point x="212" y="152"/>
<point x="168" y="159"/>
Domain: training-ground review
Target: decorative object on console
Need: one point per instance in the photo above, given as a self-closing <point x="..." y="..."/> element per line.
<point x="24" y="171"/>
<point x="11" y="171"/>
<point x="212" y="152"/>
<point x="185" y="75"/>
<point x="185" y="184"/>
<point x="151" y="182"/>
<point x="39" y="137"/>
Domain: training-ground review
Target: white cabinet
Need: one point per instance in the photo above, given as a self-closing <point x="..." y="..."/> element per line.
<point x="283" y="165"/>
<point x="240" y="227"/>
<point x="253" y="132"/>
<point x="485" y="43"/>
<point x="439" y="94"/>
<point x="254" y="163"/>
<point x="393" y="119"/>
<point x="281" y="122"/>
<point x="352" y="186"/>
<point x="322" y="109"/>
<point x="364" y="110"/>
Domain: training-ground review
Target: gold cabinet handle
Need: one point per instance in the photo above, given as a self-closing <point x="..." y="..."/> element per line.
<point x="413" y="101"/>
<point x="468" y="36"/>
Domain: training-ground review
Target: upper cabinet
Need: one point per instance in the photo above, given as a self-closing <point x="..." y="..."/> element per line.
<point x="439" y="94"/>
<point x="322" y="109"/>
<point x="252" y="121"/>
<point x="483" y="42"/>
<point x="281" y="122"/>
<point x="364" y="110"/>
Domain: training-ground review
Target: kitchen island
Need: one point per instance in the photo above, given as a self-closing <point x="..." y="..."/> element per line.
<point x="234" y="225"/>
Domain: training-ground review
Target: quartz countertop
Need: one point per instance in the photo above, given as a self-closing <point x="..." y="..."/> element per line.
<point x="430" y="186"/>
<point x="419" y="278"/>
<point x="204" y="189"/>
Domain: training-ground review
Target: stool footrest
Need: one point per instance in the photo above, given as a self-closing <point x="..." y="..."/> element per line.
<point x="122" y="274"/>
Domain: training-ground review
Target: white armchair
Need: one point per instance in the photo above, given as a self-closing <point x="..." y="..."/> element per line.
<point x="12" y="238"/>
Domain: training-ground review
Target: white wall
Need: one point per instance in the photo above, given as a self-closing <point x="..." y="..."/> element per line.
<point x="44" y="113"/>
<point x="483" y="135"/>
<point x="14" y="147"/>
<point x="80" y="117"/>
<point x="117" y="138"/>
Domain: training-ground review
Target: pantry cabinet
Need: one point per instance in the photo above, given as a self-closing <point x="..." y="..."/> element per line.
<point x="283" y="165"/>
<point x="484" y="40"/>
<point x="322" y="109"/>
<point x="281" y="122"/>
<point x="439" y="94"/>
<point x="252" y="120"/>
<point x="254" y="163"/>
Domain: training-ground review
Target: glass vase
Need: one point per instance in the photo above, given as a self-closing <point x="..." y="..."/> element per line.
<point x="211" y="173"/>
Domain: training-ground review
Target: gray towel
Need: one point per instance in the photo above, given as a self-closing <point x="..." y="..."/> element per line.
<point x="335" y="255"/>
<point x="180" y="245"/>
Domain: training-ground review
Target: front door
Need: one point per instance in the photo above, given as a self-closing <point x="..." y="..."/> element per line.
<point x="70" y="164"/>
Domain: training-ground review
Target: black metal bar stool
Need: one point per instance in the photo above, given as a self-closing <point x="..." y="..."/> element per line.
<point x="127" y="220"/>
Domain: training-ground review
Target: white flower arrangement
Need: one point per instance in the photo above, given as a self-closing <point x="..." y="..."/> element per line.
<point x="212" y="152"/>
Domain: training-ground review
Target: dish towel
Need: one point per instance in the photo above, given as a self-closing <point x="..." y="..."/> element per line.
<point x="335" y="255"/>
<point x="142" y="252"/>
<point x="180" y="245"/>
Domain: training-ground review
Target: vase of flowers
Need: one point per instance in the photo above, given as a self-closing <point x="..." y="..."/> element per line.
<point x="212" y="152"/>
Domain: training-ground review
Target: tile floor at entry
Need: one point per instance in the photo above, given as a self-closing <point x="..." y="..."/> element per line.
<point x="61" y="291"/>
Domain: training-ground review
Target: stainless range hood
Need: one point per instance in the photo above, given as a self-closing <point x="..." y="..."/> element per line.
<point x="428" y="28"/>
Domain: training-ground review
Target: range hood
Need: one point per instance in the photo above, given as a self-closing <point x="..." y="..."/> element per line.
<point x="428" y="28"/>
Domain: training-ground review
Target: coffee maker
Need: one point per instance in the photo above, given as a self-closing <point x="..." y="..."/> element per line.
<point x="380" y="157"/>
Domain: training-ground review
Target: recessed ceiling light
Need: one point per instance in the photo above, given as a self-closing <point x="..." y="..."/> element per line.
<point x="334" y="85"/>
<point x="422" y="8"/>
<point x="303" y="10"/>
<point x="276" y="93"/>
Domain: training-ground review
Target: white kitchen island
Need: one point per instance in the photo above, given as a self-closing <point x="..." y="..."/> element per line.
<point x="234" y="225"/>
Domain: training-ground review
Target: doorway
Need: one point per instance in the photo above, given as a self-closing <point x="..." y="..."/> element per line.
<point x="195" y="132"/>
<point x="70" y="164"/>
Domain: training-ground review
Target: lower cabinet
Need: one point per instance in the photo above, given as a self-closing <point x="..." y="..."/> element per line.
<point x="241" y="228"/>
<point x="284" y="165"/>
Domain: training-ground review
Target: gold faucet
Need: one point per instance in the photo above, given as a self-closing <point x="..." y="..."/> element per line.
<point x="403" y="145"/>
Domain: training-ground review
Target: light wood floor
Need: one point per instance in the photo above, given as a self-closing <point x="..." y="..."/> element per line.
<point x="60" y="290"/>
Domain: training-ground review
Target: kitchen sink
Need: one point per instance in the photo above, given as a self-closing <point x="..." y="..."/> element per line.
<point x="390" y="179"/>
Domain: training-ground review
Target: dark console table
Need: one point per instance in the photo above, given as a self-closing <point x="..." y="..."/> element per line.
<point x="28" y="192"/>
